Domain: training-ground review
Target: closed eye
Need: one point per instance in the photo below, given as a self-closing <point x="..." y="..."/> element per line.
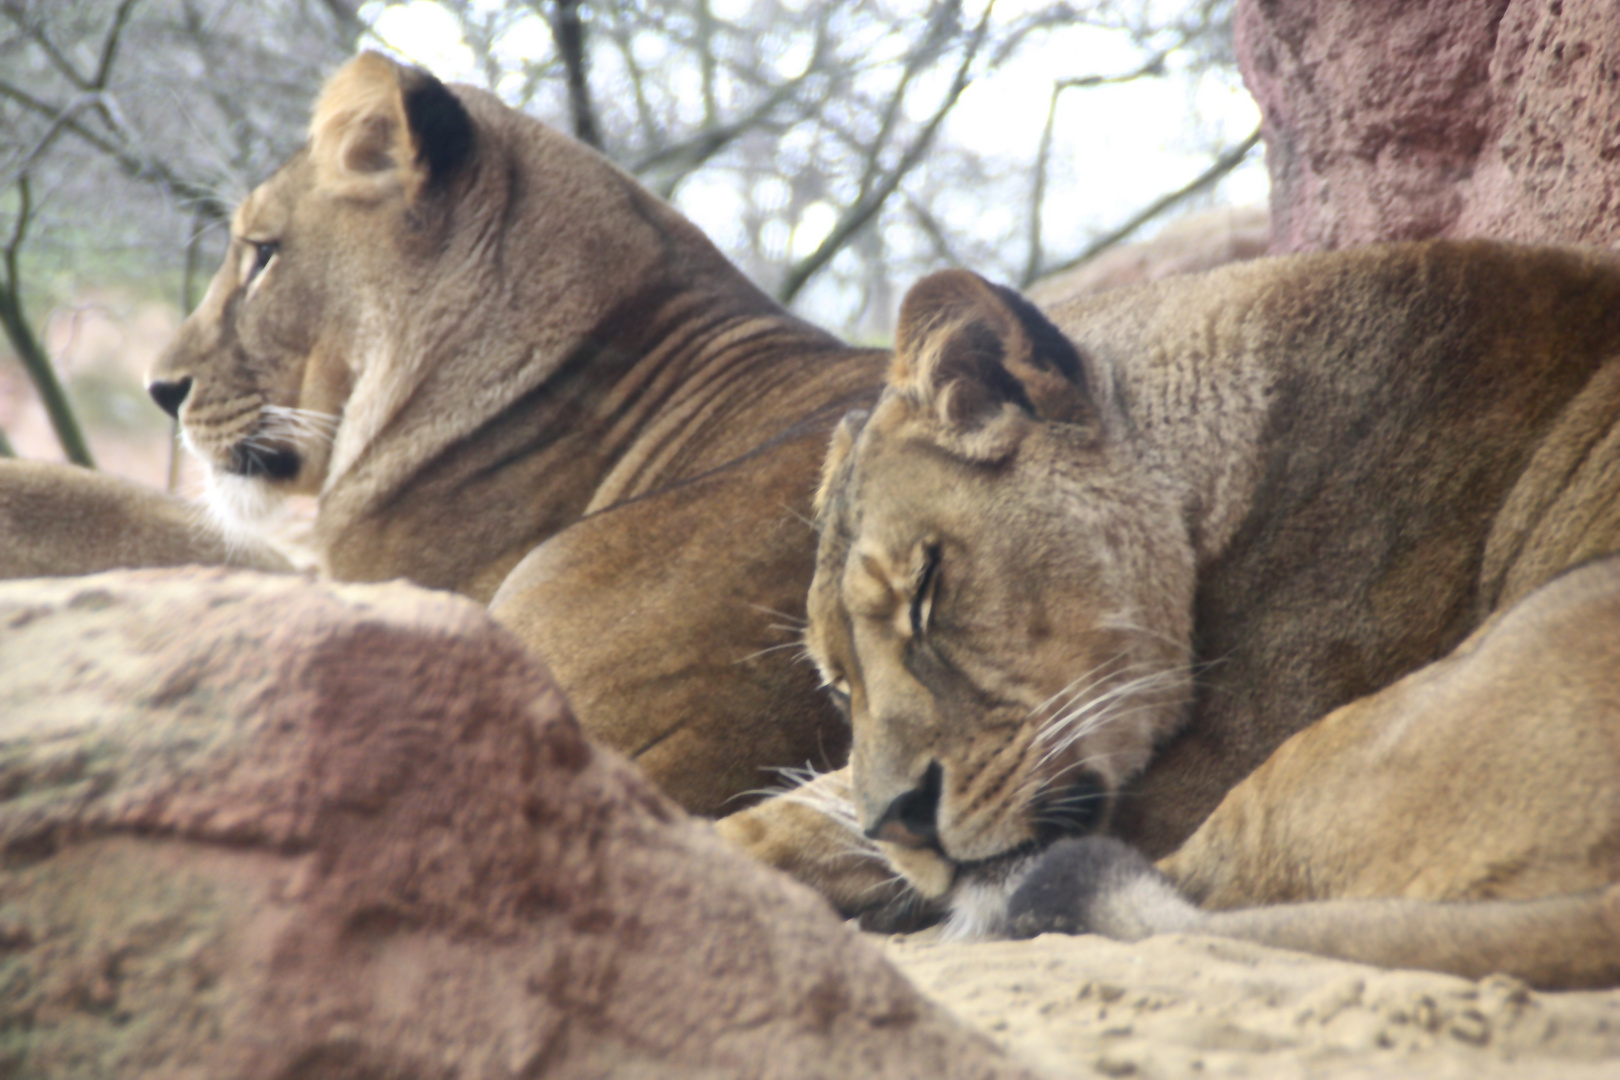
<point x="922" y="600"/>
<point x="263" y="252"/>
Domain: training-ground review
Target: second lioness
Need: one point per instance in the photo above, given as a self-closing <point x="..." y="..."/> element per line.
<point x="1064" y="590"/>
<point x="508" y="370"/>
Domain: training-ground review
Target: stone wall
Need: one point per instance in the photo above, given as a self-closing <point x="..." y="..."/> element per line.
<point x="1405" y="119"/>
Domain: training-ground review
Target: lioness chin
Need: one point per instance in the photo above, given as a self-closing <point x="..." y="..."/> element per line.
<point x="1063" y="589"/>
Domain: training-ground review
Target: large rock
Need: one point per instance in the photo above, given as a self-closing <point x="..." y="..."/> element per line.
<point x="1189" y="245"/>
<point x="257" y="827"/>
<point x="1396" y="121"/>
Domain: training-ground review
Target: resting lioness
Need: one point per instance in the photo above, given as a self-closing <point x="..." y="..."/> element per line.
<point x="1067" y="590"/>
<point x="508" y="370"/>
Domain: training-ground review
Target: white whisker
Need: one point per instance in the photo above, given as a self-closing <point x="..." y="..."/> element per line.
<point x="770" y="649"/>
<point x="796" y="620"/>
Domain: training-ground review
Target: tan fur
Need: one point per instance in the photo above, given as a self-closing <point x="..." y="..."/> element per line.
<point x="519" y="376"/>
<point x="1301" y="479"/>
<point x="61" y="520"/>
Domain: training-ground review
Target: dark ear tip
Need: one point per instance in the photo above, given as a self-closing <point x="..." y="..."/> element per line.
<point x="1049" y="347"/>
<point x="439" y="122"/>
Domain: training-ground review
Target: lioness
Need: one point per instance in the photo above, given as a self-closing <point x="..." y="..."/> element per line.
<point x="508" y="370"/>
<point x="1062" y="590"/>
<point x="59" y="520"/>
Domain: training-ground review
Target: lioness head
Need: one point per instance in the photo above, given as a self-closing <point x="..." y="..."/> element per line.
<point x="262" y="370"/>
<point x="1003" y="593"/>
<point x="428" y="257"/>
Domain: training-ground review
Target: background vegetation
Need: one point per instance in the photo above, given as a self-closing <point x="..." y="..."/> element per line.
<point x="825" y="146"/>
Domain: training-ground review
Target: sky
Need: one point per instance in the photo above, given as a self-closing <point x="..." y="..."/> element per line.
<point x="1116" y="148"/>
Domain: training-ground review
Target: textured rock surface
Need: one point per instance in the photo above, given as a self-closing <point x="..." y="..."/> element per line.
<point x="1395" y="121"/>
<point x="255" y="827"/>
<point x="1176" y="1006"/>
<point x="1193" y="243"/>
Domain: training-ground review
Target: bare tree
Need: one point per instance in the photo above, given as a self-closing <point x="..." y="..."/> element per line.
<point x="128" y="128"/>
<point x="824" y="128"/>
<point x="814" y="140"/>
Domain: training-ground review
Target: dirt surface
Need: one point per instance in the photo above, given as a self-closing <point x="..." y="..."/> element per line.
<point x="1183" y="1006"/>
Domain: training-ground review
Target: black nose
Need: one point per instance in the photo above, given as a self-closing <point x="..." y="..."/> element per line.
<point x="913" y="819"/>
<point x="170" y="395"/>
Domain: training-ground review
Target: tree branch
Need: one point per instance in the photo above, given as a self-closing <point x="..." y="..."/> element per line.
<point x="27" y="346"/>
<point x="109" y="48"/>
<point x="933" y="230"/>
<point x="568" y="30"/>
<point x="1223" y="165"/>
<point x="128" y="163"/>
<point x="1154" y="65"/>
<point x="869" y="204"/>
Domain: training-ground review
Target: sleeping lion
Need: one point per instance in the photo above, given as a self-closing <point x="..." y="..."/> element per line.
<point x="1067" y="591"/>
<point x="508" y="370"/>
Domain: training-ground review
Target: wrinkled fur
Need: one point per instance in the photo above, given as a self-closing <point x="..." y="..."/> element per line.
<point x="507" y="370"/>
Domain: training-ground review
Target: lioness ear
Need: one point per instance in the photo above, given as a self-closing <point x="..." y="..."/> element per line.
<point x="380" y="128"/>
<point x="970" y="349"/>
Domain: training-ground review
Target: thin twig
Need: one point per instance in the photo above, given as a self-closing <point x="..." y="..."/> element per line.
<point x="867" y="207"/>
<point x="1223" y="165"/>
<point x="1037" y="198"/>
<point x="129" y="163"/>
<point x="27" y="346"/>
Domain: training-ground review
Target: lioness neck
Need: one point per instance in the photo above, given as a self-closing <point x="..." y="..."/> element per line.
<point x="556" y="360"/>
<point x="1352" y="433"/>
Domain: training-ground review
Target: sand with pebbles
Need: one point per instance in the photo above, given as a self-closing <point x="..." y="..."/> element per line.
<point x="1184" y="1006"/>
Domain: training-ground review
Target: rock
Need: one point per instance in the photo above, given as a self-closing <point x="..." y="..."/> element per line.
<point x="1405" y="121"/>
<point x="255" y="827"/>
<point x="1188" y="245"/>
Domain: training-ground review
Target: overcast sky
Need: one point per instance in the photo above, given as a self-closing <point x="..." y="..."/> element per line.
<point x="1116" y="148"/>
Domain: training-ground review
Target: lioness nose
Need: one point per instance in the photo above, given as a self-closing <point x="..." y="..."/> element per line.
<point x="912" y="819"/>
<point x="170" y="394"/>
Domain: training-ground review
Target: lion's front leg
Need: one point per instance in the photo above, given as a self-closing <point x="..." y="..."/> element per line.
<point x="1099" y="885"/>
<point x="811" y="833"/>
<point x="61" y="521"/>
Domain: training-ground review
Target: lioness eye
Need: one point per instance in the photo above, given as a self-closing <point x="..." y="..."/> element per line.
<point x="922" y="601"/>
<point x="263" y="252"/>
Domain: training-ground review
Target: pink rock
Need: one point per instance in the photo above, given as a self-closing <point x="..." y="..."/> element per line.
<point x="256" y="827"/>
<point x="1403" y="120"/>
<point x="1189" y="245"/>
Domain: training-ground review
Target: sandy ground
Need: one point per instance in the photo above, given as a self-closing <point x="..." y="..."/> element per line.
<point x="1182" y="1006"/>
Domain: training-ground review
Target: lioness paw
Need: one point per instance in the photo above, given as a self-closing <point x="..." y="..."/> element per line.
<point x="1097" y="885"/>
